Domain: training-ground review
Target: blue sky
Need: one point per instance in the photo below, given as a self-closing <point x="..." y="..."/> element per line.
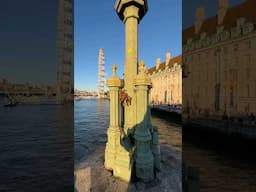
<point x="97" y="25"/>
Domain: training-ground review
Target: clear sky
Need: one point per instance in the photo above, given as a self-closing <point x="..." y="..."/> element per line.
<point x="97" y="25"/>
<point x="28" y="41"/>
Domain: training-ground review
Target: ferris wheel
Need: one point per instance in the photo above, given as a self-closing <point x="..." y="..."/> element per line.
<point x="101" y="74"/>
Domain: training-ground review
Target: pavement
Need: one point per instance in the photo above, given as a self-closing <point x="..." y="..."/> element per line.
<point x="91" y="175"/>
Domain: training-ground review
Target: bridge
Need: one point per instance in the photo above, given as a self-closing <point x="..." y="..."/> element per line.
<point x="8" y="88"/>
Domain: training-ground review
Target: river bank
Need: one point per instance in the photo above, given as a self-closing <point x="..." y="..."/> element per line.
<point x="167" y="115"/>
<point x="92" y="176"/>
<point x="226" y="128"/>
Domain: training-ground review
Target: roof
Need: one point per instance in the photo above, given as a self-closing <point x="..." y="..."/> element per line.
<point x="162" y="66"/>
<point x="245" y="10"/>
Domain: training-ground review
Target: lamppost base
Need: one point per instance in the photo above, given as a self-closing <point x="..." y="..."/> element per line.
<point x="123" y="165"/>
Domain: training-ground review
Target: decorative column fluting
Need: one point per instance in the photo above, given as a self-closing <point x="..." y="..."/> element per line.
<point x="131" y="16"/>
<point x="114" y="83"/>
<point x="130" y="12"/>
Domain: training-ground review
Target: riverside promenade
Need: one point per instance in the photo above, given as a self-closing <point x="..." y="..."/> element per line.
<point x="245" y="129"/>
<point x="168" y="108"/>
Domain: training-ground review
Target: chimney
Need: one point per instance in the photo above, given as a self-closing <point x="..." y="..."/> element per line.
<point x="167" y="58"/>
<point x="199" y="18"/>
<point x="158" y="62"/>
<point x="223" y="7"/>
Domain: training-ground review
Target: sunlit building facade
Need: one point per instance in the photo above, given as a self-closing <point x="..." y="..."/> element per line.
<point x="219" y="62"/>
<point x="166" y="80"/>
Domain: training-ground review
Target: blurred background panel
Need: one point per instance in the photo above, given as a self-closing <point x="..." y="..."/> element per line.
<point x="219" y="97"/>
<point x="36" y="95"/>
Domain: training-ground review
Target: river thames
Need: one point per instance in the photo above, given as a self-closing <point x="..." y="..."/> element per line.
<point x="37" y="148"/>
<point x="92" y="121"/>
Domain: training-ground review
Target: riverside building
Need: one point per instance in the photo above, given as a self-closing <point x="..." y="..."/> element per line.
<point x="166" y="80"/>
<point x="219" y="62"/>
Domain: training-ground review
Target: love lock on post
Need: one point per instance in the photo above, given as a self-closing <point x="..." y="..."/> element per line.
<point x="125" y="98"/>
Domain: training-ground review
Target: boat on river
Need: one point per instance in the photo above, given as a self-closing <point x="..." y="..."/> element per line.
<point x="9" y="102"/>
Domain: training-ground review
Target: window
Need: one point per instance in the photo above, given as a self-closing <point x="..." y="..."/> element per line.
<point x="68" y="49"/>
<point x="248" y="90"/>
<point x="199" y="57"/>
<point x="248" y="60"/>
<point x="235" y="74"/>
<point x="248" y="44"/>
<point x="225" y="50"/>
<point x="68" y="9"/>
<point x="206" y="55"/>
<point x="248" y="73"/>
<point x="236" y="47"/>
<point x="236" y="61"/>
<point x="70" y="36"/>
<point x="68" y="20"/>
<point x="225" y="75"/>
<point x="225" y="62"/>
<point x="67" y="62"/>
<point x="217" y="97"/>
<point x="231" y="97"/>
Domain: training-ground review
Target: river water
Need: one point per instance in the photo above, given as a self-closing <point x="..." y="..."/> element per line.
<point x="226" y="165"/>
<point x="92" y="121"/>
<point x="36" y="148"/>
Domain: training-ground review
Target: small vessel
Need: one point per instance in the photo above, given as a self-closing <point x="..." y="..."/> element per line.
<point x="9" y="102"/>
<point x="78" y="98"/>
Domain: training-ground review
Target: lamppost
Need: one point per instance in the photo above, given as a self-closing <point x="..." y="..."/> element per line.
<point x="136" y="143"/>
